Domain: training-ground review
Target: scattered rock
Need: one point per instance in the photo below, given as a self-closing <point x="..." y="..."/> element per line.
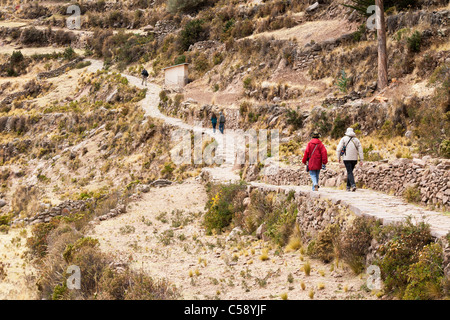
<point x="409" y="134"/>
<point x="161" y="183"/>
<point x="260" y="232"/>
<point x="312" y="7"/>
<point x="234" y="234"/>
<point x="144" y="188"/>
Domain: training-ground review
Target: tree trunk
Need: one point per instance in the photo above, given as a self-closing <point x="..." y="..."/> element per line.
<point x="382" y="55"/>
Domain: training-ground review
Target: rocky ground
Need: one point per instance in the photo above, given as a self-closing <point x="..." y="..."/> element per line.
<point x="162" y="234"/>
<point x="16" y="274"/>
<point x="161" y="231"/>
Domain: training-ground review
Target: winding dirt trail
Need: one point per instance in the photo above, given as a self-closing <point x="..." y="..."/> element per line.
<point x="162" y="235"/>
<point x="153" y="239"/>
<point x="388" y="208"/>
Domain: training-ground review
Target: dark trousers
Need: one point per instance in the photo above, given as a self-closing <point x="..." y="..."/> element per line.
<point x="221" y="127"/>
<point x="350" y="165"/>
<point x="214" y="126"/>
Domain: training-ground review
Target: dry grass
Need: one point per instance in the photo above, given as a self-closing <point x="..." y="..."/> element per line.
<point x="294" y="244"/>
<point x="307" y="268"/>
<point x="264" y="254"/>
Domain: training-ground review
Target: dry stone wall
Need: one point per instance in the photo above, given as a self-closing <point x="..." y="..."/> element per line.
<point x="429" y="177"/>
<point x="58" y="71"/>
<point x="315" y="213"/>
<point x="47" y="212"/>
<point x="192" y="114"/>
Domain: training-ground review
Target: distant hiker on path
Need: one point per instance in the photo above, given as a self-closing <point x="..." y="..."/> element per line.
<point x="221" y="122"/>
<point x="315" y="158"/>
<point x="144" y="75"/>
<point x="349" y="149"/>
<point x="214" y="121"/>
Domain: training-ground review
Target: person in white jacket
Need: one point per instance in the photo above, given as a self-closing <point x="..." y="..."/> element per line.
<point x="349" y="149"/>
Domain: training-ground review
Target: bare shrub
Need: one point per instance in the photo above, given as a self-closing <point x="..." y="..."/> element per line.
<point x="355" y="241"/>
<point x="33" y="36"/>
<point x="24" y="200"/>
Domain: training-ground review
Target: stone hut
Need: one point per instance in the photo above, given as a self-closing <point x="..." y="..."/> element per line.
<point x="176" y="76"/>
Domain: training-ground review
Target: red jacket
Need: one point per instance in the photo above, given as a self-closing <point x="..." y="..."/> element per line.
<point x="318" y="158"/>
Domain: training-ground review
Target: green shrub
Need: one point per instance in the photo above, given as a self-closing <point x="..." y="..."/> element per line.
<point x="400" y="252"/>
<point x="280" y="222"/>
<point x="5" y="220"/>
<point x="217" y="58"/>
<point x="426" y="275"/>
<point x="82" y="64"/>
<point x="358" y="35"/>
<point x="339" y="127"/>
<point x="414" y="42"/>
<point x="248" y="82"/>
<point x="223" y="205"/>
<point x="294" y="118"/>
<point x="4" y="228"/>
<point x="167" y="170"/>
<point x="342" y="81"/>
<point x="59" y="292"/>
<point x="444" y="148"/>
<point x="163" y="96"/>
<point x="16" y="57"/>
<point x="72" y="249"/>
<point x="201" y="63"/>
<point x="192" y="32"/>
<point x="69" y="53"/>
<point x="369" y="155"/>
<point x="323" y="123"/>
<point x="180" y="59"/>
<point x="412" y="194"/>
<point x="278" y="212"/>
<point x="260" y="206"/>
<point x="387" y="129"/>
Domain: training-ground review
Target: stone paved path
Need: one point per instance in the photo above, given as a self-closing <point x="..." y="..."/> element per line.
<point x="363" y="202"/>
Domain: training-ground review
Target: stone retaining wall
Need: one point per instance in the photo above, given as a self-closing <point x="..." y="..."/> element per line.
<point x="315" y="213"/>
<point x="58" y="71"/>
<point x="430" y="177"/>
<point x="33" y="89"/>
<point x="63" y="209"/>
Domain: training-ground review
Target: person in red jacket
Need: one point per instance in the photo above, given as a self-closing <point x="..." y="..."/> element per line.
<point x="316" y="158"/>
